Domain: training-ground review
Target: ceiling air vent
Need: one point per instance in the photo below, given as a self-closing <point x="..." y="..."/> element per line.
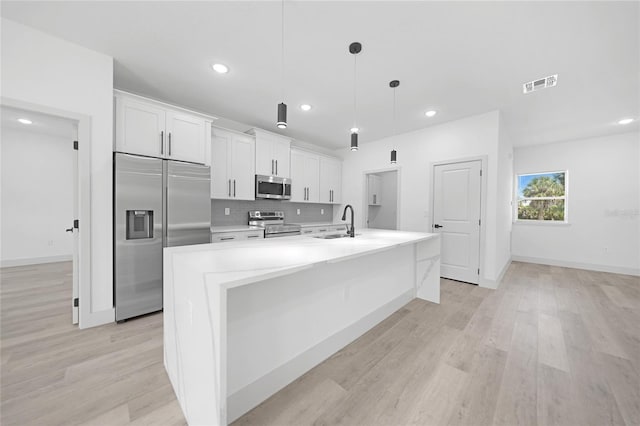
<point x="542" y="83"/>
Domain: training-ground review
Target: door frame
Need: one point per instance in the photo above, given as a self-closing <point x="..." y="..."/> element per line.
<point x="83" y="176"/>
<point x="483" y="203"/>
<point x="365" y="195"/>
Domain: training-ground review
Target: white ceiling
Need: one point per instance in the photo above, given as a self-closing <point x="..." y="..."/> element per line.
<point x="40" y="123"/>
<point x="461" y="58"/>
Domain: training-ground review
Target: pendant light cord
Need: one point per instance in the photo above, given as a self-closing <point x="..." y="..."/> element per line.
<point x="395" y="126"/>
<point x="354" y="90"/>
<point x="282" y="48"/>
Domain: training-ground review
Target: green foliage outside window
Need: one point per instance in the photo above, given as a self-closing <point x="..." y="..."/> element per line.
<point x="542" y="196"/>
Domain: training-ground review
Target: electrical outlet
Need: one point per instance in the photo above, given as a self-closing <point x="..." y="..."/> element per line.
<point x="298" y="212"/>
<point x="227" y="211"/>
<point x="321" y="211"/>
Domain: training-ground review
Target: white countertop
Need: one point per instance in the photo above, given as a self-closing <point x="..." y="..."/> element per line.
<point x="234" y="228"/>
<point x="243" y="262"/>
<point x="310" y="224"/>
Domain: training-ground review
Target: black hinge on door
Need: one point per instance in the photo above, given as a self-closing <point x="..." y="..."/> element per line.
<point x="478" y="271"/>
<point x="76" y="224"/>
<point x="479" y="222"/>
<point x="75" y="145"/>
<point x="480" y="172"/>
<point x="76" y="302"/>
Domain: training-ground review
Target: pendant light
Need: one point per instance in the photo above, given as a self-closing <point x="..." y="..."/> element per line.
<point x="354" y="49"/>
<point x="282" y="107"/>
<point x="393" y="84"/>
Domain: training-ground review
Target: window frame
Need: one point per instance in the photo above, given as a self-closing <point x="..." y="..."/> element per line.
<point x="538" y="221"/>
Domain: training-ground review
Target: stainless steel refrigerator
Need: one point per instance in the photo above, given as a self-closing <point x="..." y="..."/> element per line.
<point x="157" y="203"/>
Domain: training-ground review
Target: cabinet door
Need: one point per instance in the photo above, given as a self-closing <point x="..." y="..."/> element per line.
<point x="185" y="137"/>
<point x="330" y="180"/>
<point x="298" y="176"/>
<point x="220" y="186"/>
<point x="281" y="155"/>
<point x="265" y="164"/>
<point x="242" y="167"/>
<point x="139" y="128"/>
<point x="312" y="171"/>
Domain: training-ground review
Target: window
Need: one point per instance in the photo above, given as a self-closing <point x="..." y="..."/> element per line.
<point x="542" y="197"/>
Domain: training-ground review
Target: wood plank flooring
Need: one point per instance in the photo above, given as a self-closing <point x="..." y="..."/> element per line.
<point x="552" y="346"/>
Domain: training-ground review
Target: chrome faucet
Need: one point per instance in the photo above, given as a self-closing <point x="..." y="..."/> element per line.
<point x="351" y="231"/>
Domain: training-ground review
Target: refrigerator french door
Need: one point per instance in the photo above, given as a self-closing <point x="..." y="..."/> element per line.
<point x="157" y="203"/>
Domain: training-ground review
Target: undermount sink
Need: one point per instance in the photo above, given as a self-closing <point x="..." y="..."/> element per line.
<point x="331" y="236"/>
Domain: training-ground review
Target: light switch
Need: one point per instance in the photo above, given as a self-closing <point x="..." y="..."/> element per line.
<point x="227" y="211"/>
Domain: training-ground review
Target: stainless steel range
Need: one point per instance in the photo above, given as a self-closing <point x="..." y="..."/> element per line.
<point x="273" y="223"/>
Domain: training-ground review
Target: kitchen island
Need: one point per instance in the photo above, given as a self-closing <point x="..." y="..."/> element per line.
<point x="244" y="319"/>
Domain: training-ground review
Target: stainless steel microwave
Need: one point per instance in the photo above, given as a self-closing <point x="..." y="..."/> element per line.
<point x="273" y="187"/>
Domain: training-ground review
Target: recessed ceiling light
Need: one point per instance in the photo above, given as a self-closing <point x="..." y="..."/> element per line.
<point x="354" y="130"/>
<point x="430" y="113"/>
<point x="305" y="107"/>
<point x="220" y="68"/>
<point x="626" y="121"/>
<point x="25" y="121"/>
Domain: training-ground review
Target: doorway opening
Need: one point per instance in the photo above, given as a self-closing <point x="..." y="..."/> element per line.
<point x="382" y="196"/>
<point x="40" y="204"/>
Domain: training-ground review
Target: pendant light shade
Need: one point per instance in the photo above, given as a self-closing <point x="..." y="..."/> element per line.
<point x="354" y="141"/>
<point x="282" y="116"/>
<point x="354" y="49"/>
<point x="282" y="107"/>
<point x="393" y="84"/>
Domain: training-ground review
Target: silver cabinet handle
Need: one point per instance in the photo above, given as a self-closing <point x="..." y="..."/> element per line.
<point x="253" y="236"/>
<point x="234" y="188"/>
<point x="169" y="143"/>
<point x="162" y="142"/>
<point x="271" y="166"/>
<point x="229" y="187"/>
<point x="227" y="238"/>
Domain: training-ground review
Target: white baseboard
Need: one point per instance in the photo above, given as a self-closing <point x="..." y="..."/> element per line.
<point x="578" y="265"/>
<point x="494" y="284"/>
<point x="7" y="263"/>
<point x="253" y="394"/>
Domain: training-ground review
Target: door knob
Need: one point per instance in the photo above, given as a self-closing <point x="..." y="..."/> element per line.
<point x="68" y="230"/>
<point x="438" y="226"/>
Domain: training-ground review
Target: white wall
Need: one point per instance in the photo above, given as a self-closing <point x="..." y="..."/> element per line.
<point x="505" y="193"/>
<point x="47" y="71"/>
<point x="37" y="197"/>
<point x="475" y="136"/>
<point x="603" y="205"/>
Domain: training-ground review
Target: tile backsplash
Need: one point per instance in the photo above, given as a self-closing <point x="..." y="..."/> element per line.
<point x="239" y="211"/>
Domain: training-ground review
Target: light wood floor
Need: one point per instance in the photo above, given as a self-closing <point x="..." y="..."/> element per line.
<point x="551" y="346"/>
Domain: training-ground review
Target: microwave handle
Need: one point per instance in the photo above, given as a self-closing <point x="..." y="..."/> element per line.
<point x="284" y="186"/>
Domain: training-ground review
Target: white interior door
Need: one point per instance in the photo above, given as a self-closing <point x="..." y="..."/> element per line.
<point x="456" y="217"/>
<point x="76" y="237"/>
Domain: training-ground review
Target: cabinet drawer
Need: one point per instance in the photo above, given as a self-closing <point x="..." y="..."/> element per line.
<point x="222" y="237"/>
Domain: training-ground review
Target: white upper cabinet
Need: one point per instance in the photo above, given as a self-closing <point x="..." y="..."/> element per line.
<point x="232" y="165"/>
<point x="305" y="176"/>
<point x="146" y="127"/>
<point x="185" y="137"/>
<point x="139" y="127"/>
<point x="330" y="180"/>
<point x="272" y="154"/>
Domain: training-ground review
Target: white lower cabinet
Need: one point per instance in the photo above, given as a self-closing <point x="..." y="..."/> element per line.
<point x="221" y="237"/>
<point x="232" y="165"/>
<point x="317" y="229"/>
